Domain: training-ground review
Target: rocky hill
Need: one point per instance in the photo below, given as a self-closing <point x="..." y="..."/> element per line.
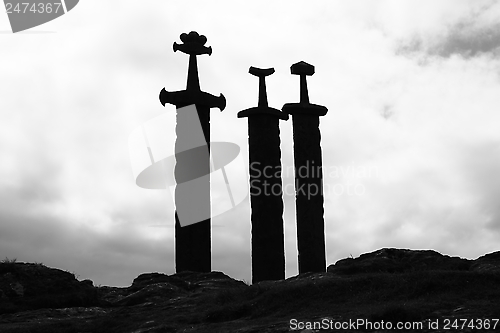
<point x="365" y="294"/>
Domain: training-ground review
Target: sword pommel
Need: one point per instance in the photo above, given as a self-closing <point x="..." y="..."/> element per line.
<point x="302" y="68"/>
<point x="193" y="44"/>
<point x="261" y="72"/>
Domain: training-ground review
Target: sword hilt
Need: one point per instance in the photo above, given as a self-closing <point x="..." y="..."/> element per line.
<point x="303" y="69"/>
<point x="262" y="107"/>
<point x="192" y="44"/>
<point x="261" y="73"/>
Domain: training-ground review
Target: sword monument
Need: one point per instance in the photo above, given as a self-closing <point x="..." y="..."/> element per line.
<point x="268" y="248"/>
<point x="308" y="175"/>
<point x="192" y="154"/>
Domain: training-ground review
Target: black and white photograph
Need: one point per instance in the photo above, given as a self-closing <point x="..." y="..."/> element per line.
<point x="249" y="166"/>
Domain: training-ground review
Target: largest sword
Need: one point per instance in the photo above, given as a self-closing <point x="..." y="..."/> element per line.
<point x="192" y="169"/>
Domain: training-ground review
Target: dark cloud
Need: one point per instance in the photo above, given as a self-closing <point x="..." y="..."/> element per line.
<point x="469" y="44"/>
<point x="114" y="258"/>
<point x="463" y="39"/>
<point x="30" y="232"/>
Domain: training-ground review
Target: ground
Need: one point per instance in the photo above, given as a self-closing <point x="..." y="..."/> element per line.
<point x="382" y="288"/>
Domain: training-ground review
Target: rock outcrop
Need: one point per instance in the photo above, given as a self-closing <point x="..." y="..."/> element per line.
<point x="388" y="284"/>
<point x="488" y="263"/>
<point x="26" y="286"/>
<point x="390" y="260"/>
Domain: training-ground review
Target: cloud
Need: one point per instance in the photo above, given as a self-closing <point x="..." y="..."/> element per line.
<point x="442" y="118"/>
<point x="480" y="164"/>
<point x="461" y="40"/>
<point x="471" y="34"/>
<point x="32" y="231"/>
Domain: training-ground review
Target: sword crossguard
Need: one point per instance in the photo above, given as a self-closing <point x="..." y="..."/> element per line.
<point x="192" y="49"/>
<point x="184" y="97"/>
<point x="193" y="44"/>
<point x="303" y="69"/>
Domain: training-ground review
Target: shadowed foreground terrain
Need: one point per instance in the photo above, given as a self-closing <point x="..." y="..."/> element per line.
<point x="388" y="285"/>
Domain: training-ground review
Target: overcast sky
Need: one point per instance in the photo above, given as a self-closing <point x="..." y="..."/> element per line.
<point x="412" y="89"/>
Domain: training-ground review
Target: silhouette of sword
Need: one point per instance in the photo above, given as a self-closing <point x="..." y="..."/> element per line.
<point x="192" y="198"/>
<point x="307" y="156"/>
<point x="268" y="247"/>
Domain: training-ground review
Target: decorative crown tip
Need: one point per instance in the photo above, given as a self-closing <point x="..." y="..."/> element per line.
<point x="193" y="37"/>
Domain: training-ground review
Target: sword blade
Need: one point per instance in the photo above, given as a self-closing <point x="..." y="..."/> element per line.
<point x="192" y="192"/>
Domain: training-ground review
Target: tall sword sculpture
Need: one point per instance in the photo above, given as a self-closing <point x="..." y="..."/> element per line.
<point x="192" y="169"/>
<point x="268" y="248"/>
<point x="308" y="175"/>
